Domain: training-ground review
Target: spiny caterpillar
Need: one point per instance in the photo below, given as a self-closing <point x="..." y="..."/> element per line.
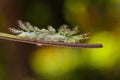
<point x="64" y="34"/>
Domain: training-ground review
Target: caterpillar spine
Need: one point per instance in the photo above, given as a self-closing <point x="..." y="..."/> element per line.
<point x="63" y="34"/>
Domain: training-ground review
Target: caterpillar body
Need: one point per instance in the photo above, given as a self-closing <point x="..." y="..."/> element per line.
<point x="64" y="34"/>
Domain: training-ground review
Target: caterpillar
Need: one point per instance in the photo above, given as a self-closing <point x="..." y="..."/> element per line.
<point x="63" y="34"/>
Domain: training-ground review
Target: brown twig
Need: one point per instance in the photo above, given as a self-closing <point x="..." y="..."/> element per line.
<point x="79" y="45"/>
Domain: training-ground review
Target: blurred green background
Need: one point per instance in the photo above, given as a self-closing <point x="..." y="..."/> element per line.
<point x="20" y="61"/>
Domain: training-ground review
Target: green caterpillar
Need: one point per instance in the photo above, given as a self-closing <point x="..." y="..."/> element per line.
<point x="64" y="34"/>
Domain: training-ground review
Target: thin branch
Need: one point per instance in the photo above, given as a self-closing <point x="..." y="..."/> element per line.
<point x="79" y="45"/>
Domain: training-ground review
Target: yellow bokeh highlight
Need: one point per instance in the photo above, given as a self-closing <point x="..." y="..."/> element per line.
<point x="103" y="58"/>
<point x="54" y="61"/>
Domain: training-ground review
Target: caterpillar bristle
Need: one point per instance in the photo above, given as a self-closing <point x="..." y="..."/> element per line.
<point x="29" y="26"/>
<point x="36" y="29"/>
<point x="51" y="29"/>
<point x="22" y="26"/>
<point x="16" y="31"/>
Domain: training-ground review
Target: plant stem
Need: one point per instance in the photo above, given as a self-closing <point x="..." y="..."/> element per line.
<point x="79" y="45"/>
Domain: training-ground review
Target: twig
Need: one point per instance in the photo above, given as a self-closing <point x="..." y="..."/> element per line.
<point x="79" y="45"/>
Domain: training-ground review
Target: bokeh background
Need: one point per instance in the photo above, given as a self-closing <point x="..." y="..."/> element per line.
<point x="20" y="61"/>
